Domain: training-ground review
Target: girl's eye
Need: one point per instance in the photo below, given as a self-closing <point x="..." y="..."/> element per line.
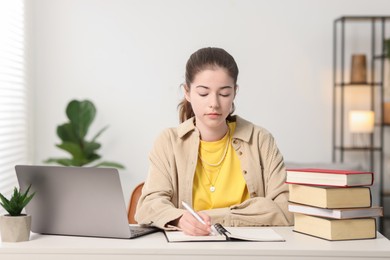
<point x="224" y="95"/>
<point x="202" y="95"/>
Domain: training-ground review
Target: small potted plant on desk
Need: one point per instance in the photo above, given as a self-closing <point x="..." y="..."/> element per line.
<point x="15" y="226"/>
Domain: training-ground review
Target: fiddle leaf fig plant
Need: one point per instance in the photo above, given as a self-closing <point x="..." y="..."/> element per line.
<point x="73" y="135"/>
<point x="17" y="202"/>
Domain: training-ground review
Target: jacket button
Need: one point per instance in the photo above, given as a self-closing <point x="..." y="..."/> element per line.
<point x="244" y="171"/>
<point x="239" y="153"/>
<point x="235" y="141"/>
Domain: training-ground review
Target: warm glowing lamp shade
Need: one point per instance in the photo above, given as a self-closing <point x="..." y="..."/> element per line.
<point x="361" y="121"/>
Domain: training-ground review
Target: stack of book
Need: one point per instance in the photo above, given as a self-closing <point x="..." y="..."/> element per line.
<point x="333" y="204"/>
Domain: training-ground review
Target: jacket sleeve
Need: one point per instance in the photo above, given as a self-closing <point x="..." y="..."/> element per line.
<point x="155" y="206"/>
<point x="270" y="209"/>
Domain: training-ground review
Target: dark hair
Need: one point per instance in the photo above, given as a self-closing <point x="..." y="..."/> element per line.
<point x="200" y="60"/>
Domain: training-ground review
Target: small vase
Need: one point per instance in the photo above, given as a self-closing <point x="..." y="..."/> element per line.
<point x="15" y="228"/>
<point x="359" y="69"/>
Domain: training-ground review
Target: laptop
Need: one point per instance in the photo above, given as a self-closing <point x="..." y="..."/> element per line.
<point x="77" y="201"/>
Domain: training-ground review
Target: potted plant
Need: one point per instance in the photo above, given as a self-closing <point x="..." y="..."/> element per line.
<point x="73" y="135"/>
<point x="15" y="226"/>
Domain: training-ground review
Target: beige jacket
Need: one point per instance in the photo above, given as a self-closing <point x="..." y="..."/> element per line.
<point x="172" y="167"/>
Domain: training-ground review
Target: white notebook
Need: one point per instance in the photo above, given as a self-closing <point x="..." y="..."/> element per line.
<point x="259" y="234"/>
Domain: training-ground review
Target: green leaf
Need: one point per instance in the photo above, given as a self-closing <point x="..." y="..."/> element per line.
<point x="67" y="134"/>
<point x="90" y="148"/>
<point x="81" y="115"/>
<point x="99" y="133"/>
<point x="110" y="164"/>
<point x="61" y="161"/>
<point x="93" y="157"/>
<point x="4" y="201"/>
<point x="25" y="199"/>
<point x="387" y="48"/>
<point x="74" y="149"/>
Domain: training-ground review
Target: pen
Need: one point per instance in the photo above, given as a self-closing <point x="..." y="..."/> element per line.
<point x="193" y="213"/>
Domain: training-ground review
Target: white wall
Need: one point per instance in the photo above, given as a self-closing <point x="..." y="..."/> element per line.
<point x="128" y="57"/>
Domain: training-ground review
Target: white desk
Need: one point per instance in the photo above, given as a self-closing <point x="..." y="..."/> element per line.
<point x="155" y="246"/>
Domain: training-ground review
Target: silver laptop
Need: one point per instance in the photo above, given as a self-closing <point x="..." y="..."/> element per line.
<point x="77" y="201"/>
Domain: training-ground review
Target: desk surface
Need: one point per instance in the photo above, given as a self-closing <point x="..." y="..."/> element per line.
<point x="297" y="246"/>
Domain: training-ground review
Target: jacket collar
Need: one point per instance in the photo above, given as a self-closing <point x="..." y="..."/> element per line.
<point x="186" y="127"/>
<point x="244" y="129"/>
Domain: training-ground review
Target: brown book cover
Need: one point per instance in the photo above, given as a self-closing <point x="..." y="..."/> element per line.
<point x="330" y="197"/>
<point x="335" y="229"/>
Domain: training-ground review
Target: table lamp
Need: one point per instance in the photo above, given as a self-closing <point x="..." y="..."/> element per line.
<point x="361" y="122"/>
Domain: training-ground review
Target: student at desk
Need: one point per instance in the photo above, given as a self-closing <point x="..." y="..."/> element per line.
<point x="230" y="170"/>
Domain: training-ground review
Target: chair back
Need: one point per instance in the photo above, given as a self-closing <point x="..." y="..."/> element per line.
<point x="135" y="195"/>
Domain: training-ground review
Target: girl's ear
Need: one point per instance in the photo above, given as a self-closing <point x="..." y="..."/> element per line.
<point x="187" y="92"/>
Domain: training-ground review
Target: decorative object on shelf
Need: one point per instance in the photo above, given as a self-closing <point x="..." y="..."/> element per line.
<point x="386" y="113"/>
<point x="359" y="69"/>
<point x="386" y="105"/>
<point x="15" y="226"/>
<point x="73" y="133"/>
<point x="387" y="48"/>
<point x="361" y="123"/>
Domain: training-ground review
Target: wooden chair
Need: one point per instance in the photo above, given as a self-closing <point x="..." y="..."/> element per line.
<point x="133" y="202"/>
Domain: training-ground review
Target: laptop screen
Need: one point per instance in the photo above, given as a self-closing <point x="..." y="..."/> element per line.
<point x="84" y="201"/>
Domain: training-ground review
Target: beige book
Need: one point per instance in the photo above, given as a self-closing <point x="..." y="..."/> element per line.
<point x="329" y="177"/>
<point x="330" y="197"/>
<point x="335" y="229"/>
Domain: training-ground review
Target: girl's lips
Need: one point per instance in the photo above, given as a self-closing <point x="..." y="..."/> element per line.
<point x="213" y="115"/>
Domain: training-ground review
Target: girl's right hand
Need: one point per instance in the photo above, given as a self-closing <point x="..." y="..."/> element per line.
<point x="191" y="226"/>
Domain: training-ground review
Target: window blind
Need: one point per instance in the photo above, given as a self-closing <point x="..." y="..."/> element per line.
<point x="13" y="94"/>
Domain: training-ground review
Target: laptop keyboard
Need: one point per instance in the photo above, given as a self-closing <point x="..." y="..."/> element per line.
<point x="137" y="231"/>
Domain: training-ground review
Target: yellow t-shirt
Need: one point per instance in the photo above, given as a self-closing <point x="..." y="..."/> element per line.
<point x="218" y="180"/>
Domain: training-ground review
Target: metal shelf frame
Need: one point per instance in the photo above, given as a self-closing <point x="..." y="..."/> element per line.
<point x="375" y="57"/>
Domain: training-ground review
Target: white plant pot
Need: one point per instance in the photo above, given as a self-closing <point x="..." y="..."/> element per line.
<point x="15" y="228"/>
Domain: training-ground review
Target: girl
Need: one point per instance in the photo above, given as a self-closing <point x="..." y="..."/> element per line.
<point x="228" y="169"/>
